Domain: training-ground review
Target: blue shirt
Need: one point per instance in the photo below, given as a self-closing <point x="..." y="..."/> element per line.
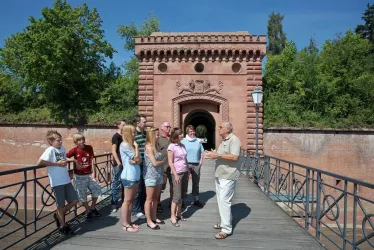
<point x="130" y="172"/>
<point x="194" y="150"/>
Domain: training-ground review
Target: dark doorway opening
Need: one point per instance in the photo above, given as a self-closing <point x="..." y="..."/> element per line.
<point x="202" y="117"/>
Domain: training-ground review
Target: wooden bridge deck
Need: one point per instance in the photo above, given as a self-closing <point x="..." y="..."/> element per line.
<point x="258" y="224"/>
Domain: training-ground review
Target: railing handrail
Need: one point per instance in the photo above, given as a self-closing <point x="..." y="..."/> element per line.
<point x="345" y="178"/>
<point x="16" y="203"/>
<point x="19" y="170"/>
<point x="324" y="207"/>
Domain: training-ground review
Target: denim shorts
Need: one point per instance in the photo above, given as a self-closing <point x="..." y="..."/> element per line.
<point x="64" y="193"/>
<point x="153" y="182"/>
<point x="129" y="184"/>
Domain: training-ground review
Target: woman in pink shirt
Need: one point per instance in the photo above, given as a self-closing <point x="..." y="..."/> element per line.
<point x="177" y="156"/>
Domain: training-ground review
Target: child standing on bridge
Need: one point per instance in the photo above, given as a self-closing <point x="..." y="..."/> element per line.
<point x="84" y="175"/>
<point x="55" y="160"/>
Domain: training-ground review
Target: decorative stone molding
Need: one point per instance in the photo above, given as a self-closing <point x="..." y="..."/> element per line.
<point x="209" y="97"/>
<point x="200" y="37"/>
<point x="216" y="53"/>
<point x="199" y="87"/>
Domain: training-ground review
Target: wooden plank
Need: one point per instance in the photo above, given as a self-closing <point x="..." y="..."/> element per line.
<point x="258" y="224"/>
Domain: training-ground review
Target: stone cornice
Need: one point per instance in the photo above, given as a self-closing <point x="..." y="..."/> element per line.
<point x="165" y="38"/>
<point x="211" y="53"/>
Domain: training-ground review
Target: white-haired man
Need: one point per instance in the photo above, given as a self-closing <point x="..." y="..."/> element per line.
<point x="227" y="173"/>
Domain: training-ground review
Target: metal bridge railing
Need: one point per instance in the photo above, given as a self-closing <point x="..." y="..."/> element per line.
<point x="27" y="202"/>
<point x="337" y="210"/>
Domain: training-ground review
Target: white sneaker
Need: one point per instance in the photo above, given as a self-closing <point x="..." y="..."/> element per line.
<point x="140" y="215"/>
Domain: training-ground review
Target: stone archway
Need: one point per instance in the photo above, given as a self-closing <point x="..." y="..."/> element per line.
<point x="202" y="117"/>
<point x="224" y="110"/>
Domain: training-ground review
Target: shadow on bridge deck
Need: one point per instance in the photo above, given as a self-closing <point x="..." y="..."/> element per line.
<point x="258" y="224"/>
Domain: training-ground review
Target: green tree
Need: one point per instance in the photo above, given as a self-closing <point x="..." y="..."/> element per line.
<point x="276" y="37"/>
<point x="146" y="28"/>
<point x="2" y="64"/>
<point x="367" y="30"/>
<point x="201" y="131"/>
<point x="123" y="92"/>
<point x="61" y="56"/>
<point x="283" y="88"/>
<point x="331" y="88"/>
<point x="347" y="70"/>
<point x="11" y="94"/>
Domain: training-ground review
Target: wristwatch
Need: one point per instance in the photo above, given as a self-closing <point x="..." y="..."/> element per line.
<point x="219" y="156"/>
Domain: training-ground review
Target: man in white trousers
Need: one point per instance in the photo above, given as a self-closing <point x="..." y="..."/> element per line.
<point x="227" y="173"/>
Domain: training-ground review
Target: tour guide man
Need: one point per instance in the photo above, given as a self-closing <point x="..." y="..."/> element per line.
<point x="227" y="173"/>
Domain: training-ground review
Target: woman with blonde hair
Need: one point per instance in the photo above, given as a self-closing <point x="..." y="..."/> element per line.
<point x="130" y="175"/>
<point x="153" y="178"/>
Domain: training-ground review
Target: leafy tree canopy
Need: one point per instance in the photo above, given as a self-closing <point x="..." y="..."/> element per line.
<point x="61" y="56"/>
<point x="276" y="37"/>
<point x="367" y="30"/>
<point x="146" y="28"/>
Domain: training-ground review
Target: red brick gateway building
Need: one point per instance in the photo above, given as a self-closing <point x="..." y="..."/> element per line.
<point x="202" y="78"/>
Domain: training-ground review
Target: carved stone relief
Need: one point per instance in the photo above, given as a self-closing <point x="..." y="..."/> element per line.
<point x="199" y="87"/>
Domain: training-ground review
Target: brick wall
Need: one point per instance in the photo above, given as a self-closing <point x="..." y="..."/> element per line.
<point x="146" y="90"/>
<point x="348" y="153"/>
<point x="254" y="78"/>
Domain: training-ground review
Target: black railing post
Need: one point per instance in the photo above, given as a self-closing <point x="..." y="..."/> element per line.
<point x="313" y="198"/>
<point x="25" y="201"/>
<point x="255" y="166"/>
<point x="307" y="178"/>
<point x="289" y="186"/>
<point x="35" y="223"/>
<point x="345" y="216"/>
<point x="292" y="185"/>
<point x="318" y="222"/>
<point x="277" y="176"/>
<point x="266" y="174"/>
<point x="354" y="215"/>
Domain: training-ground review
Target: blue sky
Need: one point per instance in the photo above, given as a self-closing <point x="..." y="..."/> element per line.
<point x="303" y="19"/>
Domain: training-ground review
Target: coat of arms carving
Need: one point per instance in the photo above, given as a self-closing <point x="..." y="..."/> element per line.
<point x="200" y="87"/>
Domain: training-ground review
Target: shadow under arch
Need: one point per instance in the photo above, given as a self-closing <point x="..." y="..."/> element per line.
<point x="202" y="117"/>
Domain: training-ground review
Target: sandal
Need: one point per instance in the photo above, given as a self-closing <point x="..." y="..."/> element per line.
<point x="157" y="227"/>
<point x="175" y="224"/>
<point x="221" y="235"/>
<point x="181" y="218"/>
<point x="158" y="221"/>
<point x="217" y="226"/>
<point x="135" y="226"/>
<point x="130" y="228"/>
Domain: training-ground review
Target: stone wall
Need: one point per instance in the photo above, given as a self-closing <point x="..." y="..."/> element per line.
<point x="348" y="153"/>
<point x="21" y="146"/>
